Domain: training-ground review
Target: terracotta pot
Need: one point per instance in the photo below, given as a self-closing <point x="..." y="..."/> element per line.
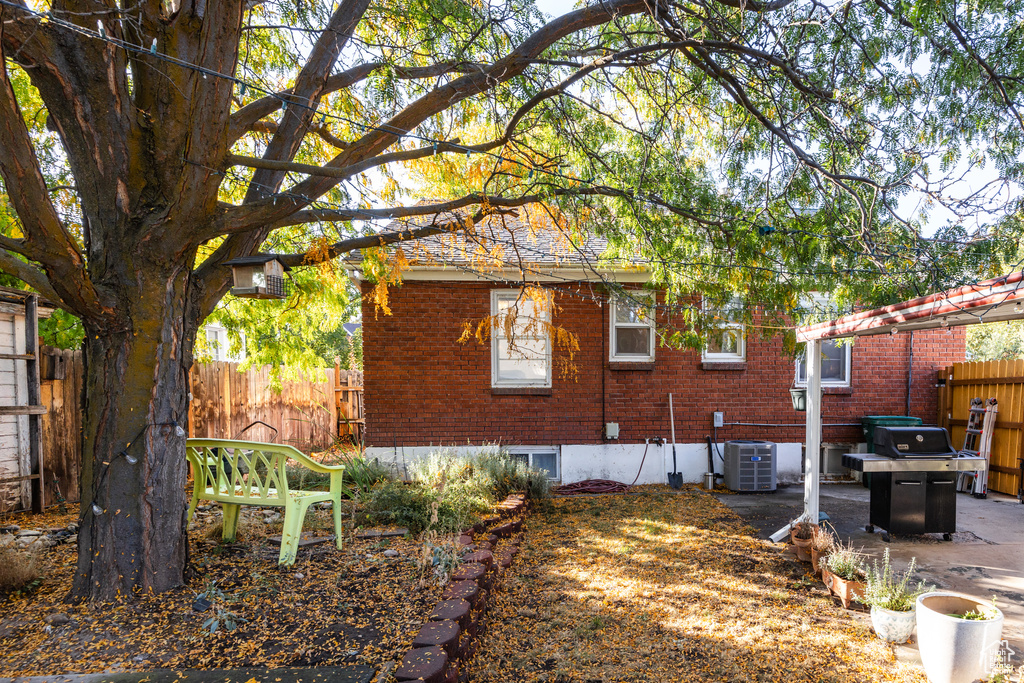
<point x="816" y="561"/>
<point x="803" y="545"/>
<point x="892" y="626"/>
<point x="846" y="591"/>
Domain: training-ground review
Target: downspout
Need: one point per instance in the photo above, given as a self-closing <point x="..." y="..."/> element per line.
<point x="606" y="332"/>
<point x="910" y="371"/>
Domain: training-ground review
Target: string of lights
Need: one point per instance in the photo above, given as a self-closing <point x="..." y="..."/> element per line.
<point x="287" y="101"/>
<point x="124" y="453"/>
<point x="434" y="143"/>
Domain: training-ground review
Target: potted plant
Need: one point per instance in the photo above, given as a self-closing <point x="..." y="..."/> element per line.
<point x="959" y="636"/>
<point x="801" y="535"/>
<point x="822" y="543"/>
<point x="843" y="573"/>
<point x="892" y="599"/>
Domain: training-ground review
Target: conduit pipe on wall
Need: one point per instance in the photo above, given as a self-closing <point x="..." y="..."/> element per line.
<point x="800" y="424"/>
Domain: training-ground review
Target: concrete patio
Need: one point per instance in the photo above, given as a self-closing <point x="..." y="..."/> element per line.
<point x="984" y="559"/>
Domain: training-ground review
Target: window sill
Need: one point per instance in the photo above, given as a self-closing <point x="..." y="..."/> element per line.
<point x="520" y="391"/>
<point x="732" y="365"/>
<point x="643" y="366"/>
<point x="832" y="391"/>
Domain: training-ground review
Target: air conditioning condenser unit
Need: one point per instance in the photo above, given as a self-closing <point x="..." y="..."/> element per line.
<point x="750" y="465"/>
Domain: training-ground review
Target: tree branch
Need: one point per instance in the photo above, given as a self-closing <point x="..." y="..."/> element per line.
<point x="308" y="90"/>
<point x="46" y="239"/>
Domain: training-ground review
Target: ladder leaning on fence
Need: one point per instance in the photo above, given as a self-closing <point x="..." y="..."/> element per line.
<point x="978" y="442"/>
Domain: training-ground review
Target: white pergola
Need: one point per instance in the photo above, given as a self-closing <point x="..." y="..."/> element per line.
<point x="994" y="300"/>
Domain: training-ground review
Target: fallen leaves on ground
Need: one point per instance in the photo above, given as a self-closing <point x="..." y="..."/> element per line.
<point x="355" y="606"/>
<point x="668" y="588"/>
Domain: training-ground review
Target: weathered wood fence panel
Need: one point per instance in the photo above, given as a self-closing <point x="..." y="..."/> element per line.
<point x="62" y="429"/>
<point x="225" y="402"/>
<point x="1003" y="381"/>
<point x="348" y="400"/>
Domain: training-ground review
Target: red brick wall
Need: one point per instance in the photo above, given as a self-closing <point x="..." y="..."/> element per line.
<point x="423" y="387"/>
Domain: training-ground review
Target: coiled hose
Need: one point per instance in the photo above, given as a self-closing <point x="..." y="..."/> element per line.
<point x="600" y="485"/>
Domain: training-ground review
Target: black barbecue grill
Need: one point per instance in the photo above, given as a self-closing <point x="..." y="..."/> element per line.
<point x="913" y="480"/>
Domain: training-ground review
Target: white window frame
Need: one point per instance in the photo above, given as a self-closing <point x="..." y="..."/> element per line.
<point x="497" y="337"/>
<point x="221" y="350"/>
<point x="530" y="451"/>
<point x="613" y="326"/>
<point x="716" y="357"/>
<point x="848" y="356"/>
<point x="819" y="302"/>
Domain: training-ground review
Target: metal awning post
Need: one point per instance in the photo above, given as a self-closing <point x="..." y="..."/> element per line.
<point x="812" y="441"/>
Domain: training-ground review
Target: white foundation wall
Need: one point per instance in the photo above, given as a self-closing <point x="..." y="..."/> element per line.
<point x="615" y="461"/>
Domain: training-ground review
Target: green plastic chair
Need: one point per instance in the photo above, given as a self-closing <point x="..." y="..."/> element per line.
<point x="236" y="473"/>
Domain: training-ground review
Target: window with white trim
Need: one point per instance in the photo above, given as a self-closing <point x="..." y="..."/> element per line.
<point x="835" y="364"/>
<point x="729" y="343"/>
<point x="836" y="357"/>
<point x="631" y="333"/>
<point x="521" y="340"/>
<point x="220" y="345"/>
<point x="539" y="457"/>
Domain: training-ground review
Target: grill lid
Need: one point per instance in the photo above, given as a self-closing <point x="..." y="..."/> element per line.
<point x="913" y="442"/>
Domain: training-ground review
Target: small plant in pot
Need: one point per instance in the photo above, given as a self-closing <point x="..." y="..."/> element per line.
<point x="801" y="535"/>
<point x="892" y="599"/>
<point x="822" y="544"/>
<point x="958" y="636"/>
<point x="843" y="573"/>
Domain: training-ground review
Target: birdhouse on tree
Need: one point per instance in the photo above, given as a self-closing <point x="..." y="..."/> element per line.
<point x="258" y="277"/>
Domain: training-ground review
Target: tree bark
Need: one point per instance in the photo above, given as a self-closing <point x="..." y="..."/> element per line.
<point x="136" y="392"/>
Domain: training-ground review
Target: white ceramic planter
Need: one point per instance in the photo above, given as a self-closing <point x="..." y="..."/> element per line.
<point x="956" y="650"/>
<point x="892" y="626"/>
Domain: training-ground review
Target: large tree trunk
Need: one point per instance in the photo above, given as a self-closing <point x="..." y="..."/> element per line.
<point x="135" y="393"/>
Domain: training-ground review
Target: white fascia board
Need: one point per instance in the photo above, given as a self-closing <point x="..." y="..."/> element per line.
<point x="534" y="273"/>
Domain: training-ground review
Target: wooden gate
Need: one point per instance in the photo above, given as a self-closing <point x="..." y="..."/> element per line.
<point x="348" y="399"/>
<point x="1003" y="381"/>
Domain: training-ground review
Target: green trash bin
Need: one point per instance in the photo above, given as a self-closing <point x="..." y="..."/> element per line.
<point x="869" y="422"/>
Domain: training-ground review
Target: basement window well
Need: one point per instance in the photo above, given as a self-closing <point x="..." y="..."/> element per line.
<point x="541" y="457"/>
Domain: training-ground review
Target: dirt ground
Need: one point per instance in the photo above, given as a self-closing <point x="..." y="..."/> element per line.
<point x="669" y="588"/>
<point x="358" y="605"/>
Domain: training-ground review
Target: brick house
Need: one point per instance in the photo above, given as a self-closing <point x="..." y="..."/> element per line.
<point x="423" y="388"/>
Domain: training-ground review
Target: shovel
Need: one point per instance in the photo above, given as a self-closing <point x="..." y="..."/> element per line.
<point x="675" y="477"/>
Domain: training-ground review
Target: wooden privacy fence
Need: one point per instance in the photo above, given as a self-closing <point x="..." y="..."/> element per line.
<point x="226" y="401"/>
<point x="348" y="401"/>
<point x="1003" y="381"/>
<point x="309" y="413"/>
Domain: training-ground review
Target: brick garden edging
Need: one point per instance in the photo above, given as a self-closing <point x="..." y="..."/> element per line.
<point x="448" y="641"/>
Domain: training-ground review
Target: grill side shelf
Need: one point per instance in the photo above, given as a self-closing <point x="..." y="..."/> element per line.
<point x="872" y="463"/>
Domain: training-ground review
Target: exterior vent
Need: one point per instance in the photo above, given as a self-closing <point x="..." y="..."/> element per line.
<point x="750" y="465"/>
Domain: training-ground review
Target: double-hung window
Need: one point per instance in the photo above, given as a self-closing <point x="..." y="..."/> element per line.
<point x="728" y="343"/>
<point x="521" y="340"/>
<point x="835" y="365"/>
<point x="632" y="327"/>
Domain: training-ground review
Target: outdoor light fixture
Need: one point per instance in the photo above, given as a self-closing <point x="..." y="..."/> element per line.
<point x="1017" y="309"/>
<point x="96" y="509"/>
<point x="132" y="460"/>
<point x="799" y="397"/>
<point x="894" y="330"/>
<point x="258" y="277"/>
<point x="178" y="431"/>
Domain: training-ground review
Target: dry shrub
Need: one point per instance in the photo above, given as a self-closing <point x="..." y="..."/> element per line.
<point x="18" y="569"/>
